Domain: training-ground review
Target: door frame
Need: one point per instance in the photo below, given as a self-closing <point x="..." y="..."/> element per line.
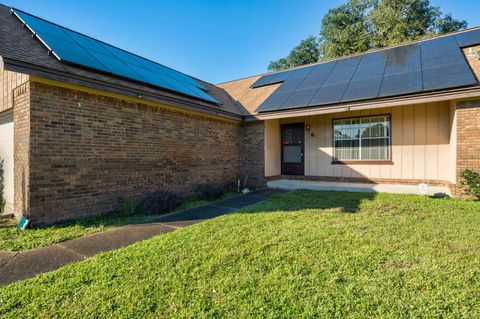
<point x="297" y="124"/>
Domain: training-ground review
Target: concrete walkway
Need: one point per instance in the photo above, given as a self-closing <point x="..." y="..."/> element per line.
<point x="26" y="264"/>
<point x="290" y="184"/>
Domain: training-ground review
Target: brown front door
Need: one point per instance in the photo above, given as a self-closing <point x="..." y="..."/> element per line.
<point x="293" y="139"/>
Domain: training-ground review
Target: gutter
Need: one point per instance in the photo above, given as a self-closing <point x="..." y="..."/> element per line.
<point x="55" y="75"/>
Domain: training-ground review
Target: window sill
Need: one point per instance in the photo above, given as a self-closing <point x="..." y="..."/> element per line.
<point x="361" y="162"/>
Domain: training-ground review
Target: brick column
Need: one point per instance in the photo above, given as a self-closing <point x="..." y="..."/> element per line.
<point x="21" y="149"/>
<point x="468" y="136"/>
<point x="253" y="154"/>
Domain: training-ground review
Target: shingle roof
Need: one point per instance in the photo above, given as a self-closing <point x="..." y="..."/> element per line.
<point x="21" y="52"/>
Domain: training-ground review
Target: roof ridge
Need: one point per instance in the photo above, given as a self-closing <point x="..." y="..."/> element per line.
<point x="357" y="54"/>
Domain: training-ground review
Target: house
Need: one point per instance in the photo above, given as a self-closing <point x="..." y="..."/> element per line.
<point x="83" y="123"/>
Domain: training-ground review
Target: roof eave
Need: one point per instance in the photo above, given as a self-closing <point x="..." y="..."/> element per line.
<point x="436" y="96"/>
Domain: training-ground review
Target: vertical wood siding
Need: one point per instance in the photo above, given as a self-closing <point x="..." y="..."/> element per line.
<point x="420" y="138"/>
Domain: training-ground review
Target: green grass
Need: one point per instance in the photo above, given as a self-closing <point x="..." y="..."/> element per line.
<point x="299" y="255"/>
<point x="13" y="239"/>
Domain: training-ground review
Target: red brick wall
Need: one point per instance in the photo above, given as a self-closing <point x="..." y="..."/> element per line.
<point x="253" y="154"/>
<point x="468" y="136"/>
<point x="87" y="150"/>
<point x="21" y="149"/>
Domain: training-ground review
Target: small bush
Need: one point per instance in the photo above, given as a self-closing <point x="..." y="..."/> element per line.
<point x="126" y="207"/>
<point x="2" y="186"/>
<point x="159" y="202"/>
<point x="471" y="183"/>
<point x="207" y="192"/>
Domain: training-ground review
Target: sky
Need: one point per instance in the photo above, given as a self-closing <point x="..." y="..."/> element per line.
<point x="214" y="40"/>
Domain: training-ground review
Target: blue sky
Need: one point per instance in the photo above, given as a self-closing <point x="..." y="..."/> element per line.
<point x="214" y="40"/>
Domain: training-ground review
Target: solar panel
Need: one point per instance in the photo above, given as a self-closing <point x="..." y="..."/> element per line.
<point x="275" y="101"/>
<point x="442" y="51"/>
<point x="317" y="76"/>
<point x="343" y="71"/>
<point x="367" y="88"/>
<point x="87" y="43"/>
<point x="115" y="66"/>
<point x="448" y="76"/>
<point x="401" y="83"/>
<point x="290" y="85"/>
<point x="71" y="52"/>
<point x="433" y="64"/>
<point x="73" y="47"/>
<point x="444" y="65"/>
<point x="301" y="72"/>
<point x="299" y="98"/>
<point x="371" y="65"/>
<point x="37" y="25"/>
<point x="469" y="38"/>
<point x="329" y="94"/>
<point x="151" y="77"/>
<point x="272" y="78"/>
<point x="123" y="55"/>
<point x="403" y="59"/>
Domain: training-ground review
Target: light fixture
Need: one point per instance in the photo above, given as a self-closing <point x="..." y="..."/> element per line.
<point x="307" y="127"/>
<point x="139" y="96"/>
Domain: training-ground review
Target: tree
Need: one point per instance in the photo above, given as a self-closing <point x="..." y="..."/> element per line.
<point x="399" y="21"/>
<point x="448" y="24"/>
<point x="304" y="53"/>
<point x="361" y="25"/>
<point x="345" y="29"/>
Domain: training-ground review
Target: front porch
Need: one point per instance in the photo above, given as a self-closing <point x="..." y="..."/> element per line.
<point x="383" y="149"/>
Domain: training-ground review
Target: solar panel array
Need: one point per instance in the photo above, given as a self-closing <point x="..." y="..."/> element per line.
<point x="424" y="66"/>
<point x="73" y="47"/>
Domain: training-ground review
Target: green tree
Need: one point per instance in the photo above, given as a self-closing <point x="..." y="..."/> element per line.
<point x="304" y="53"/>
<point x="345" y="30"/>
<point x="399" y="21"/>
<point x="361" y="25"/>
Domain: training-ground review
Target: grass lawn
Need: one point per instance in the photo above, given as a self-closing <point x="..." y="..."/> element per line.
<point x="299" y="255"/>
<point x="13" y="239"/>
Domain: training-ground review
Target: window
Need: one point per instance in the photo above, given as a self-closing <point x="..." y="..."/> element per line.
<point x="362" y="138"/>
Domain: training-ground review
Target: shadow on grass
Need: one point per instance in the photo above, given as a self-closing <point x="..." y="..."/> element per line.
<point x="347" y="202"/>
<point x="274" y="201"/>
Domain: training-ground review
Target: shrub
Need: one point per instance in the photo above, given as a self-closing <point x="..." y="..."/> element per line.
<point x="125" y="207"/>
<point x="2" y="185"/>
<point x="471" y="183"/>
<point x="207" y="192"/>
<point x="159" y="202"/>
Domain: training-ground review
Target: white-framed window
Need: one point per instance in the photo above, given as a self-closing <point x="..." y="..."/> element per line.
<point x="362" y="139"/>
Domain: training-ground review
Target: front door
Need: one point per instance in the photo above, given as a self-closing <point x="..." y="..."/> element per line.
<point x="292" y="149"/>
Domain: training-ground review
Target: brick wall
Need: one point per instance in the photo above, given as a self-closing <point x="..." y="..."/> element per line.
<point x="468" y="136"/>
<point x="253" y="154"/>
<point x="21" y="149"/>
<point x="87" y="150"/>
<point x="472" y="59"/>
